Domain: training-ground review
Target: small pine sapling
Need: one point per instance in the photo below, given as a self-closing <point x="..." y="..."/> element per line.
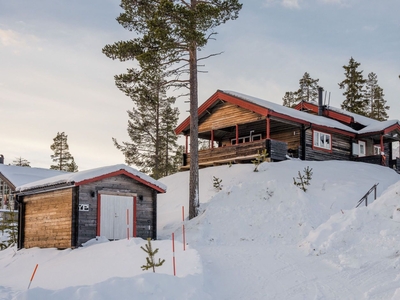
<point x="261" y="157"/>
<point x="150" y="263"/>
<point x="217" y="183"/>
<point x="304" y="179"/>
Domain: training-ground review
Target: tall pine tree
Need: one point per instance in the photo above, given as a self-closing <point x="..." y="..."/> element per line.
<point x="151" y="120"/>
<point x="353" y="85"/>
<point x="374" y="95"/>
<point x="63" y="159"/>
<point x="289" y="99"/>
<point x="175" y="30"/>
<point x="308" y="90"/>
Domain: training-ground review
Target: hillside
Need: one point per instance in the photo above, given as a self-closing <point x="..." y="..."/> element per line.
<point x="259" y="237"/>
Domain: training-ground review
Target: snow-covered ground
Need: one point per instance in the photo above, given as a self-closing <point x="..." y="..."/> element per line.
<point x="259" y="237"/>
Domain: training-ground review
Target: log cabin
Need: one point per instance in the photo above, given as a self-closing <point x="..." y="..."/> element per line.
<point x="237" y="127"/>
<point x="66" y="211"/>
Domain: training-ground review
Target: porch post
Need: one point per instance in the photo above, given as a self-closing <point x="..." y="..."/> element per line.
<point x="382" y="149"/>
<point x="237" y="134"/>
<point x="212" y="139"/>
<point x="186" y="145"/>
<point x="268" y="127"/>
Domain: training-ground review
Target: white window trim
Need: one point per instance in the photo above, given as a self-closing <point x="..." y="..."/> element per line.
<point x="364" y="144"/>
<point x="317" y="140"/>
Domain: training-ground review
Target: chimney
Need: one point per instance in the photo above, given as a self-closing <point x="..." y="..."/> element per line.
<point x="1" y="159"/>
<point x="320" y="106"/>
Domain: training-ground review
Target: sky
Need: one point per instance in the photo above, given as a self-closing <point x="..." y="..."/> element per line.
<point x="54" y="77"/>
<point x="258" y="237"/>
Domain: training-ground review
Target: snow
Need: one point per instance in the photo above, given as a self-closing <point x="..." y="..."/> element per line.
<point x="371" y="124"/>
<point x="259" y="237"/>
<point x="71" y="178"/>
<point x="22" y="175"/>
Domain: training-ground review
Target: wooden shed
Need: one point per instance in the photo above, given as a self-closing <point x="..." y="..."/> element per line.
<point x="66" y="211"/>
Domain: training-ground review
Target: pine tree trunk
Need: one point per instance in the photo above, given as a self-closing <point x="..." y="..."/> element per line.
<point x="194" y="166"/>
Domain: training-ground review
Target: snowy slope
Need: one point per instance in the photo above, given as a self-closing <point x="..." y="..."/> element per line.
<point x="260" y="237"/>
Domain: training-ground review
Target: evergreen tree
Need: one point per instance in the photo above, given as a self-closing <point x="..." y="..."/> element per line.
<point x="174" y="30"/>
<point x="150" y="126"/>
<point x="354" y="89"/>
<point x="63" y="159"/>
<point x="289" y="99"/>
<point x="308" y="90"/>
<point x="374" y="95"/>
<point x="21" y="162"/>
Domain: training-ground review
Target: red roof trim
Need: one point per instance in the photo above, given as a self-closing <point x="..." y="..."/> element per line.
<point x="391" y="128"/>
<point x="219" y="95"/>
<point x="121" y="172"/>
<point x="327" y="112"/>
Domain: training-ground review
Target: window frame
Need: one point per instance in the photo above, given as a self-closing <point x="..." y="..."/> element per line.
<point x="316" y="136"/>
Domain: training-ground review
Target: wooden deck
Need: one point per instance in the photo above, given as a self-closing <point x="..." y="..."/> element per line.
<point x="242" y="153"/>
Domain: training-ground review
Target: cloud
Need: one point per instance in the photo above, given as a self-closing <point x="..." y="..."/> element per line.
<point x="10" y="38"/>
<point x="284" y="3"/>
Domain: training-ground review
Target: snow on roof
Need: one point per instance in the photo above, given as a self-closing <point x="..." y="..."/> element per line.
<point x="357" y="118"/>
<point x="72" y="178"/>
<point x="379" y="126"/>
<point x="17" y="175"/>
<point x="372" y="125"/>
<point x="318" y="120"/>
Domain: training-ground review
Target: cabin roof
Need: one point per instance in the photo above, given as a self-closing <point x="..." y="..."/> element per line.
<point x="16" y="175"/>
<point x="92" y="175"/>
<point x="265" y="107"/>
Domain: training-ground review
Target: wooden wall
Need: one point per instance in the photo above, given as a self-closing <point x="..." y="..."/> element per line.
<point x="341" y="148"/>
<point x="146" y="209"/>
<point x="47" y="220"/>
<point x="226" y="114"/>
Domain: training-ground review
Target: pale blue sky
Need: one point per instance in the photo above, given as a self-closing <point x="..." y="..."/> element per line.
<point x="54" y="77"/>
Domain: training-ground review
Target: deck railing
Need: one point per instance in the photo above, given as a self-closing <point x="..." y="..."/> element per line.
<point x="239" y="153"/>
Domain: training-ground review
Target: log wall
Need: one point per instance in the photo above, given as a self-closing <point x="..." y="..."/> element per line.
<point x="341" y="148"/>
<point x="48" y="219"/>
<point x="226" y="114"/>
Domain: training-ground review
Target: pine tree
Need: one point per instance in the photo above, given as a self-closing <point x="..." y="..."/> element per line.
<point x="151" y="122"/>
<point x="21" y="162"/>
<point x="374" y="95"/>
<point x="354" y="89"/>
<point x="289" y="99"/>
<point x="61" y="156"/>
<point x="308" y="90"/>
<point x="174" y="30"/>
<point x="150" y="260"/>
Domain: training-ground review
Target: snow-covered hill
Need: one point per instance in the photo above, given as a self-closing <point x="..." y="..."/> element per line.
<point x="259" y="237"/>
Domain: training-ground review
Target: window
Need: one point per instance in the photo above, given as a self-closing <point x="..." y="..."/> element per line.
<point x="377" y="150"/>
<point x="362" y="148"/>
<point x="322" y="140"/>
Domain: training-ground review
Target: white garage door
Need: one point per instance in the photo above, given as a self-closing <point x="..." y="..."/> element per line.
<point x="115" y="214"/>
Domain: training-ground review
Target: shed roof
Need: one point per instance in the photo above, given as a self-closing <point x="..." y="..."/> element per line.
<point x="16" y="175"/>
<point x="92" y="175"/>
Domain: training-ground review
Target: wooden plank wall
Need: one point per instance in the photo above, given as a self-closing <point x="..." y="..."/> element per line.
<point x="48" y="219"/>
<point x="146" y="209"/>
<point x="225" y="115"/>
<point x="341" y="148"/>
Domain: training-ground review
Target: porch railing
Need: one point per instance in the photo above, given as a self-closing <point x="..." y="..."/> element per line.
<point x="242" y="152"/>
